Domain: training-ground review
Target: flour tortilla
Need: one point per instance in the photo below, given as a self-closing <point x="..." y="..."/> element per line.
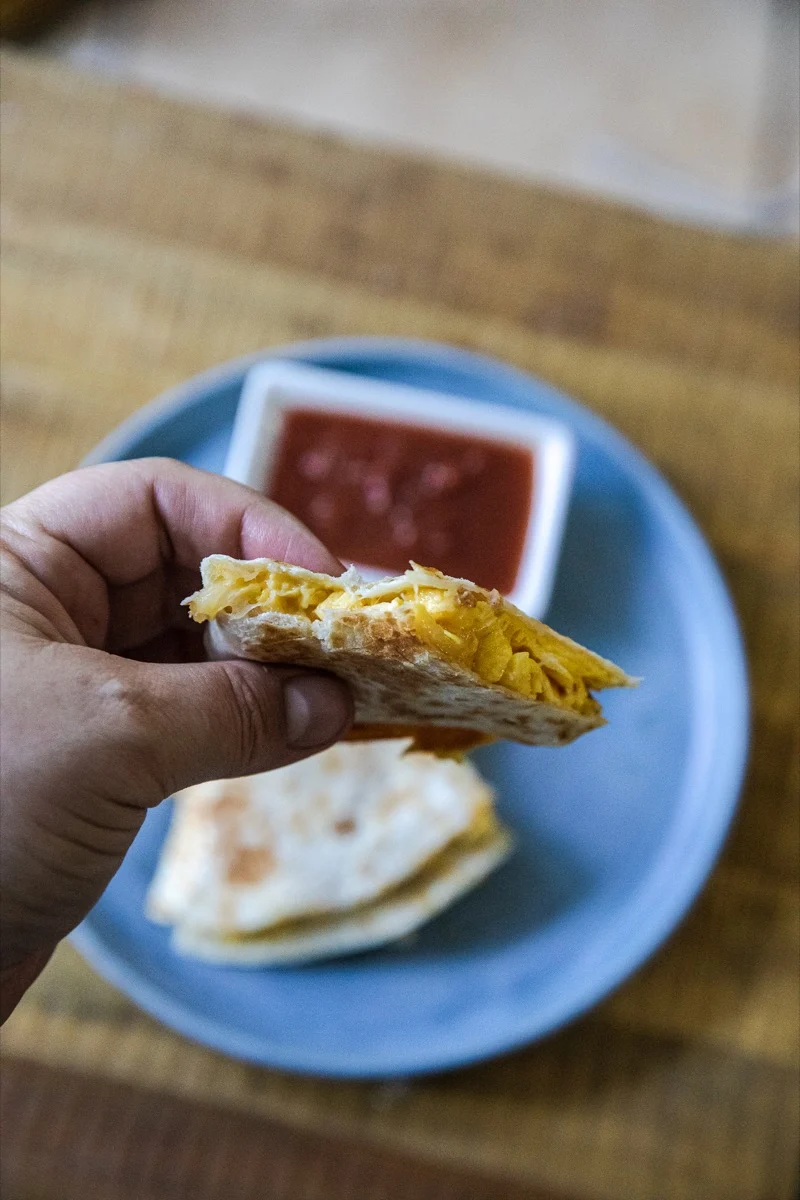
<point x="392" y="917"/>
<point x="399" y="682"/>
<point x="349" y="849"/>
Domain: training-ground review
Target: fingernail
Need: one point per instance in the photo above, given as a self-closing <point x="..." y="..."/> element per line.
<point x="317" y="710"/>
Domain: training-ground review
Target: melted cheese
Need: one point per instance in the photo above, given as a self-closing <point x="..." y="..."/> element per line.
<point x="472" y="628"/>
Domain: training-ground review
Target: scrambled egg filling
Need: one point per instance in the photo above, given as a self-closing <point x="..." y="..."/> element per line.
<point x="471" y="628"/>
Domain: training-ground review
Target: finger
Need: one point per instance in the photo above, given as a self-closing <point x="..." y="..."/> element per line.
<point x="135" y="617"/>
<point x="172" y="646"/>
<point x="117" y="524"/>
<point x="226" y="719"/>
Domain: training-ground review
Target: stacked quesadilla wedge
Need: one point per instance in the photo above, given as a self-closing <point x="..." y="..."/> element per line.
<point x="339" y="853"/>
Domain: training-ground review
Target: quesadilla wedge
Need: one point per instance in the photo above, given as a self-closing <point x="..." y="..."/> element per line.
<point x="348" y="850"/>
<point x="439" y="658"/>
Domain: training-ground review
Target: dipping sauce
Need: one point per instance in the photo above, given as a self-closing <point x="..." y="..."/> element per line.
<point x="378" y="493"/>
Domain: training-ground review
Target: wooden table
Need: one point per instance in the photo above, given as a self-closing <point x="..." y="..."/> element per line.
<point x="144" y="240"/>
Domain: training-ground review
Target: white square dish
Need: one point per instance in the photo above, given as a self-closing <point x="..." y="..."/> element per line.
<point x="274" y="388"/>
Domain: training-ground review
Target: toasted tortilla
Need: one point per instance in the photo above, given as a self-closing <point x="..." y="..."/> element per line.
<point x="420" y="652"/>
<point x="349" y="849"/>
<point x="396" y="914"/>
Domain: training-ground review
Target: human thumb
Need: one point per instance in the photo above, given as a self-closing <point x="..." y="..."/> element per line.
<point x="219" y="720"/>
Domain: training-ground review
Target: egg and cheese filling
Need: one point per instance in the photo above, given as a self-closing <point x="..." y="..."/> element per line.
<point x="470" y="627"/>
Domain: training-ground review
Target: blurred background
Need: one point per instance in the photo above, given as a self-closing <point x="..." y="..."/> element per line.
<point x="689" y="109"/>
<point x="144" y="241"/>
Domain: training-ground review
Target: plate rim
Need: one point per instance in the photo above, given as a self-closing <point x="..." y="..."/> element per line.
<point x="717" y="816"/>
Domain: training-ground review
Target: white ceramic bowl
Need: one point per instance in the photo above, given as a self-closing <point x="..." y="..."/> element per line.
<point x="271" y="388"/>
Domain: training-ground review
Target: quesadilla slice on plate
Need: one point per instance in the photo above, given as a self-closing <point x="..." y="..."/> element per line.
<point x="424" y="654"/>
<point x="342" y="852"/>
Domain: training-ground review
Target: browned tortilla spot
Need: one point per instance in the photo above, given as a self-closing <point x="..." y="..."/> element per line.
<point x="249" y="864"/>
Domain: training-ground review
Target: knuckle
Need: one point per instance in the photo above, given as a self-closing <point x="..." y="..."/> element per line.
<point x="124" y="705"/>
<point x="127" y="713"/>
<point x="255" y="713"/>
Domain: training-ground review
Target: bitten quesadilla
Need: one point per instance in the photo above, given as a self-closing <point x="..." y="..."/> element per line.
<point x="424" y="654"/>
<point x="345" y="851"/>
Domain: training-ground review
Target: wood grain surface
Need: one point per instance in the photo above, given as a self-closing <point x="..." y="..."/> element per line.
<point x="70" y="1136"/>
<point x="143" y="240"/>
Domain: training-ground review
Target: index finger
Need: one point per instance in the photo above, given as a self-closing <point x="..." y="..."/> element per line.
<point x="117" y="524"/>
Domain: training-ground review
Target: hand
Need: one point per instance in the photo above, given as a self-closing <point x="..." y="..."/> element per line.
<point x="107" y="703"/>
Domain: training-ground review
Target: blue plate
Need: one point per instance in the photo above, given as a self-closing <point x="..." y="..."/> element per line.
<point x="616" y="833"/>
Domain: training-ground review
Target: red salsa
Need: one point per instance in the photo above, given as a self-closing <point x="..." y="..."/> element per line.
<point x="379" y="493"/>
